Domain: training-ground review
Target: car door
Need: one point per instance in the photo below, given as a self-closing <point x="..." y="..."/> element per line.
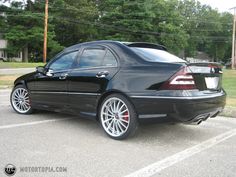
<point x="51" y="88"/>
<point x="92" y="71"/>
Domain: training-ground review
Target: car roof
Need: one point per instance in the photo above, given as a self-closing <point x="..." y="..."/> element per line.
<point x="129" y="44"/>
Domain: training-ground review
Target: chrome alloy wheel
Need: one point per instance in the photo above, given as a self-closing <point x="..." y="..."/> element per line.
<point x="20" y="100"/>
<point x="115" y="117"/>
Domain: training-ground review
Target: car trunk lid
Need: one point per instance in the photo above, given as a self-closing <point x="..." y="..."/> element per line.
<point x="207" y="76"/>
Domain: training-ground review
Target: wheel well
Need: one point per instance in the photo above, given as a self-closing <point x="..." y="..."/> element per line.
<point x="20" y="83"/>
<point x="106" y="95"/>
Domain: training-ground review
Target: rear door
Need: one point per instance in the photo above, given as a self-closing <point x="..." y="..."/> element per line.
<point x="93" y="69"/>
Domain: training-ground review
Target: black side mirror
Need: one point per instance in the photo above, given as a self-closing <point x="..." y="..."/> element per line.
<point x="40" y="69"/>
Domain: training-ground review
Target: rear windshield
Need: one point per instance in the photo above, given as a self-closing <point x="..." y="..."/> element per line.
<point x="155" y="55"/>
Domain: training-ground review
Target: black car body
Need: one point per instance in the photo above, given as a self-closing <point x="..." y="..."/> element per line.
<point x="163" y="88"/>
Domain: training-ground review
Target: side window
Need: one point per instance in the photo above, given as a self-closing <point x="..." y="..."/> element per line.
<point x="109" y="59"/>
<point x="64" y="62"/>
<point x="91" y="58"/>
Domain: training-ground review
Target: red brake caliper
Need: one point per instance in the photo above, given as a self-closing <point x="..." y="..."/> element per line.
<point x="126" y="116"/>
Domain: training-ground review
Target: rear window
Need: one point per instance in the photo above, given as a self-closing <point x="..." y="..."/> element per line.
<point x="155" y="55"/>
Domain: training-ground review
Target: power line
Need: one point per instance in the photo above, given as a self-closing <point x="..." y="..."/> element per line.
<point x="163" y="18"/>
<point x="139" y="32"/>
<point x="129" y="19"/>
<point x="121" y="29"/>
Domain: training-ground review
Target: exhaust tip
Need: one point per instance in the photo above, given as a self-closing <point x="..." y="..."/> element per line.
<point x="196" y="122"/>
<point x="199" y="121"/>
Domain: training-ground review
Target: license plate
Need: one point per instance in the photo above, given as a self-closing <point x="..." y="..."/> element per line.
<point x="212" y="82"/>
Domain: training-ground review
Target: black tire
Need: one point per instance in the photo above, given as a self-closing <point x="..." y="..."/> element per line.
<point x="27" y="111"/>
<point x="133" y="122"/>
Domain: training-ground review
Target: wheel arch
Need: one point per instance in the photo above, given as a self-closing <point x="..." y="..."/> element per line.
<point x="20" y="82"/>
<point x="106" y="94"/>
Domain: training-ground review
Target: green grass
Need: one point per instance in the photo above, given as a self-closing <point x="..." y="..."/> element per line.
<point x="19" y="65"/>
<point x="229" y="84"/>
<point x="229" y="79"/>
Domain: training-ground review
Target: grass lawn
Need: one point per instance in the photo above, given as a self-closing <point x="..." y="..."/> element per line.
<point x="229" y="84"/>
<point x="229" y="81"/>
<point x="19" y="65"/>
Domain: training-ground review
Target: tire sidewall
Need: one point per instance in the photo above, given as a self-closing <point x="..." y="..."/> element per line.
<point x="133" y="117"/>
<point x="16" y="87"/>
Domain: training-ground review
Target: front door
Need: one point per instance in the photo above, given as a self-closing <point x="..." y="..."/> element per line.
<point x="51" y="88"/>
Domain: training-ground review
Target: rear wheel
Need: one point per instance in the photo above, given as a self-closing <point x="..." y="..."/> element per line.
<point x="118" y="117"/>
<point x="20" y="100"/>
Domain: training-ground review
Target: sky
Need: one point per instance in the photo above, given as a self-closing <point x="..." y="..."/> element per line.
<point x="221" y="5"/>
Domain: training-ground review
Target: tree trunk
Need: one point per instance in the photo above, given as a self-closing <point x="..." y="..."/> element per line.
<point x="25" y="54"/>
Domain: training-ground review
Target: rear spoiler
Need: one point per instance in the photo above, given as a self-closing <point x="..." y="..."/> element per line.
<point x="206" y="64"/>
<point x="145" y="45"/>
<point x="205" y="67"/>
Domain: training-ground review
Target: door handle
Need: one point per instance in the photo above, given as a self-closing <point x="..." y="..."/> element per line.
<point x="63" y="76"/>
<point x="102" y="74"/>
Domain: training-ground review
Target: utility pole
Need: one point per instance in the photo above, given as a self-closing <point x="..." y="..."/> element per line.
<point x="45" y="32"/>
<point x="233" y="59"/>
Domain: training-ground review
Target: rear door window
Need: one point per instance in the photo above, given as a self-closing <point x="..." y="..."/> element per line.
<point x="91" y="58"/>
<point x="109" y="59"/>
<point x="96" y="57"/>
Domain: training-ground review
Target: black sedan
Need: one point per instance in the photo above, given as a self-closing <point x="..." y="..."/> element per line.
<point x="119" y="83"/>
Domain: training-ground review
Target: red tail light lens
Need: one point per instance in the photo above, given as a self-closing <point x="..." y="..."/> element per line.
<point x="182" y="80"/>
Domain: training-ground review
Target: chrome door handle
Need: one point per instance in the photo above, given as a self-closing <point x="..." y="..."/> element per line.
<point x="63" y="76"/>
<point x="102" y="74"/>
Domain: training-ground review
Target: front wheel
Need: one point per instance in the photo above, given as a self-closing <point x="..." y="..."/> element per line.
<point x="20" y="100"/>
<point x="118" y="117"/>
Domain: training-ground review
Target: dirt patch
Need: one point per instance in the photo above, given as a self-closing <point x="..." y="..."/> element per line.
<point x="229" y="112"/>
<point x="8" y="78"/>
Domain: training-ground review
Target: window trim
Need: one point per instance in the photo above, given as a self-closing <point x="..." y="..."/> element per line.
<point x="101" y="47"/>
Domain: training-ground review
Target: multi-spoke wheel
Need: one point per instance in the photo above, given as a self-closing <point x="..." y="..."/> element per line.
<point x="20" y="100"/>
<point x="117" y="116"/>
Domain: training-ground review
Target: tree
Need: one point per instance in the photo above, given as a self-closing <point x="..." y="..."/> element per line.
<point x="126" y="20"/>
<point x="24" y="30"/>
<point x="180" y="25"/>
<point x="207" y="28"/>
<point x="73" y="20"/>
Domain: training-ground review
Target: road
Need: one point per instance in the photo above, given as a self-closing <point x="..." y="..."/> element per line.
<point x="16" y="71"/>
<point x="46" y="139"/>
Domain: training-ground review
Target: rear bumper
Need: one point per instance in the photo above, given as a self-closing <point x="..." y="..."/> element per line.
<point x="182" y="109"/>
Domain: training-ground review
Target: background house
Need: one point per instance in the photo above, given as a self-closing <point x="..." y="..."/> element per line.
<point x="3" y="52"/>
<point x="200" y="57"/>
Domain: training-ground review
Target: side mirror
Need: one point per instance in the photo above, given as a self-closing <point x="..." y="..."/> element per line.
<point x="49" y="73"/>
<point x="40" y="69"/>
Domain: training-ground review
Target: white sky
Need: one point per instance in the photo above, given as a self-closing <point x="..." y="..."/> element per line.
<point x="221" y="5"/>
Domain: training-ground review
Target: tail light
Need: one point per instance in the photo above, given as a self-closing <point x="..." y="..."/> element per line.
<point x="182" y="80"/>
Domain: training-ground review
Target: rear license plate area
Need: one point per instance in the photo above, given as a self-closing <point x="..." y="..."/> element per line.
<point x="212" y="82"/>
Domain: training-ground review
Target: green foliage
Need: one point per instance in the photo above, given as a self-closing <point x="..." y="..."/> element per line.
<point x="25" y="28"/>
<point x="181" y="25"/>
